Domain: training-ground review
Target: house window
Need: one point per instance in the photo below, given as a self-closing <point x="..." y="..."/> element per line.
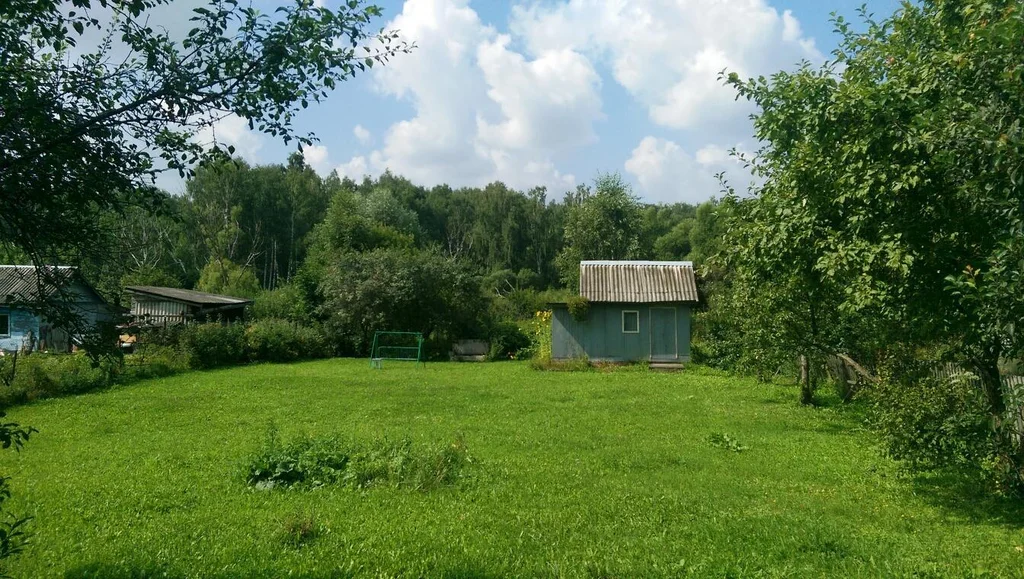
<point x="630" y="322"/>
<point x="5" y="325"/>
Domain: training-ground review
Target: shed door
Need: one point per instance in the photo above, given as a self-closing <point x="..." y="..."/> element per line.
<point x="663" y="334"/>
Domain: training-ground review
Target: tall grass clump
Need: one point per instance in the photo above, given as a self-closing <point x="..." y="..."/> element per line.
<point x="308" y="463"/>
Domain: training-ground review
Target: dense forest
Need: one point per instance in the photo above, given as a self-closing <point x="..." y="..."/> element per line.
<point x="243" y="229"/>
<point x="384" y="253"/>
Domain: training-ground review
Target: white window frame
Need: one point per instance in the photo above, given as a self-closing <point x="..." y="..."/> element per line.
<point x="624" y="330"/>
<point x="8" y="334"/>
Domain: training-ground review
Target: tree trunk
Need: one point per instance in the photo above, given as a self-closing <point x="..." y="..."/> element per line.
<point x="806" y="382"/>
<point x="1006" y="430"/>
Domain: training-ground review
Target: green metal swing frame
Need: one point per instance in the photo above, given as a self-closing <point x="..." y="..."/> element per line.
<point x="379" y="353"/>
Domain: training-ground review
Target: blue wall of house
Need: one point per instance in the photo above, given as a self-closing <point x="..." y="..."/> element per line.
<point x="83" y="301"/>
<point x="600" y="337"/>
<point x="21" y="323"/>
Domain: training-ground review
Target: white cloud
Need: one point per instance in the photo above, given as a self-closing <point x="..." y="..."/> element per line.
<point x="362" y="135"/>
<point x="483" y="111"/>
<point x="355" y="169"/>
<point x="669" y="55"/>
<point x="317" y="157"/>
<point x="668" y="174"/>
<point x="234" y="131"/>
<point x="492" y="106"/>
<point x="548" y="103"/>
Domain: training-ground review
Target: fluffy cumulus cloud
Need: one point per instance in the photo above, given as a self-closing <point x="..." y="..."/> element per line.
<point x="512" y="105"/>
<point x="316" y="156"/>
<point x="483" y="111"/>
<point x="666" y="173"/>
<point x="669" y="54"/>
<point x="355" y="169"/>
<point x="362" y="135"/>
<point x="233" y="130"/>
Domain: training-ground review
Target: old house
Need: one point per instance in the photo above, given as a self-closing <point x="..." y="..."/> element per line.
<point x="24" y="287"/>
<point x="160" y="306"/>
<point x="638" y="310"/>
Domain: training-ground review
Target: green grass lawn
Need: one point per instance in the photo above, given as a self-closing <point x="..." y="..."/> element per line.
<point x="577" y="474"/>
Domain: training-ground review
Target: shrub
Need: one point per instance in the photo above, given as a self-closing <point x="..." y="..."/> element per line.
<point x="40" y="375"/>
<point x="276" y="340"/>
<point x="287" y="302"/>
<point x="508" y="341"/>
<point x="314" y="462"/>
<point x="398" y="290"/>
<point x="153" y="361"/>
<point x="579" y="307"/>
<point x="213" y="344"/>
<point x="169" y="336"/>
<point x="521" y="304"/>
<point x="931" y="423"/>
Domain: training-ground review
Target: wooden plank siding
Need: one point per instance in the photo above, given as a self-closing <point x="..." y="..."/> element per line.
<point x="600" y="337"/>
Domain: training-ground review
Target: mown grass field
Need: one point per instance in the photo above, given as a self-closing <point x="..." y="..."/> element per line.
<point x="577" y="474"/>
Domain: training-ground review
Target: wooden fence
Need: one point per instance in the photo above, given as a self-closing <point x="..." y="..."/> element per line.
<point x="851" y="378"/>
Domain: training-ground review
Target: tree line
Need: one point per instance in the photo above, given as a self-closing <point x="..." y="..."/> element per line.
<point x="384" y="252"/>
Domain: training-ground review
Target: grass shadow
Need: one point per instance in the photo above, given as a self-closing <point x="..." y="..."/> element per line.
<point x="105" y="570"/>
<point x="963" y="496"/>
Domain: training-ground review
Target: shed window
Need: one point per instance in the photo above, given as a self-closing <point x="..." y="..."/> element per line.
<point x="5" y="325"/>
<point x="630" y="322"/>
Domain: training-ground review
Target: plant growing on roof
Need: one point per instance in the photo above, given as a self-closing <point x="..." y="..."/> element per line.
<point x="579" y="307"/>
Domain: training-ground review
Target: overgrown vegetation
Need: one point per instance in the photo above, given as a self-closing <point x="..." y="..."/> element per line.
<point x="159" y="352"/>
<point x="311" y="463"/>
<point x="13" y="534"/>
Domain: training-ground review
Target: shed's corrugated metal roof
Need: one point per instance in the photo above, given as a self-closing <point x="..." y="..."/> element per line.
<point x="187" y="296"/>
<point x="22" y="283"/>
<point x="638" y="281"/>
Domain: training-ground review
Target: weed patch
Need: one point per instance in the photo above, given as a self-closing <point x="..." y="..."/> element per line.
<point x="314" y="462"/>
<point x="726" y="442"/>
<point x="299" y="528"/>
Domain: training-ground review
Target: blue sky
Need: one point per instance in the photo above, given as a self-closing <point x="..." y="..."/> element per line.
<point x="553" y="92"/>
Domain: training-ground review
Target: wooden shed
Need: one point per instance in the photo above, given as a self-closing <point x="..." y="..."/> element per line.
<point x="24" y="289"/>
<point x="639" y="310"/>
<point x="161" y="306"/>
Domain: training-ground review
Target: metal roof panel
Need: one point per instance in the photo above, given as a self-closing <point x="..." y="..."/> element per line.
<point x="638" y="281"/>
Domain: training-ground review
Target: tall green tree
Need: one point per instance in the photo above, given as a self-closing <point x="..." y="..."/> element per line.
<point x="87" y="128"/>
<point x="908" y="153"/>
<point x="603" y="224"/>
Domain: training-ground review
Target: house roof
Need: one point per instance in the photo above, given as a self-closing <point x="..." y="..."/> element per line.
<point x="27" y="283"/>
<point x="638" y="281"/>
<point x="187" y="296"/>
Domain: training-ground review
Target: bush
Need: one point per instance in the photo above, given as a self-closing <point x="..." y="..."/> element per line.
<point x="399" y="290"/>
<point x="213" y="344"/>
<point x="508" y="342"/>
<point x="40" y="375"/>
<point x="287" y="302"/>
<point x="153" y="361"/>
<point x="275" y="340"/>
<point x="930" y="423"/>
<point x="522" y="304"/>
<point x="315" y="462"/>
